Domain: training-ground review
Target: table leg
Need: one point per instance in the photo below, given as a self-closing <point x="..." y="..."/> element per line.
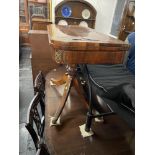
<point x="64" y="98"/>
<point x="69" y="80"/>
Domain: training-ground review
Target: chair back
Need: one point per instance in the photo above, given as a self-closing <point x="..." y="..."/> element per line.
<point x="39" y="83"/>
<point x="42" y="150"/>
<point x="39" y="87"/>
<point x="35" y="119"/>
<point x="36" y="115"/>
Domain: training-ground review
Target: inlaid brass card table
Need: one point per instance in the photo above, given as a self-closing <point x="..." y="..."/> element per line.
<point x="72" y="45"/>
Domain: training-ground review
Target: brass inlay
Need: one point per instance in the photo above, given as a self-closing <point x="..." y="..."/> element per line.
<point x="59" y="56"/>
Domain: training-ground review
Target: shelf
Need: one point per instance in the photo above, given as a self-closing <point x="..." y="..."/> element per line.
<point x="74" y="18"/>
<point x="36" y="2"/>
<point x="41" y="20"/>
<point x="23" y="12"/>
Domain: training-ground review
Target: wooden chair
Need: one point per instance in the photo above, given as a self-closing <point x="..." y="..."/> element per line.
<point x="39" y="87"/>
<point x="35" y="124"/>
<point x="36" y="116"/>
<point x="42" y="150"/>
<point x="39" y="83"/>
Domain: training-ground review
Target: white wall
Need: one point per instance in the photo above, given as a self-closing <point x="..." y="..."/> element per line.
<point x="105" y="11"/>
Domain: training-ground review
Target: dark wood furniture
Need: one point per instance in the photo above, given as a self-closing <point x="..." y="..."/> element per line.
<point x="40" y="24"/>
<point x="41" y="53"/>
<point x="38" y="1"/>
<point x="113" y="136"/>
<point x="23" y="34"/>
<point x="72" y="45"/>
<point x="23" y="23"/>
<point x="77" y="9"/>
<point x="39" y="84"/>
<point x="128" y="20"/>
<point x="42" y="150"/>
<point x="40" y="14"/>
<point x="23" y="11"/>
<point x="38" y="9"/>
<point x="36" y="115"/>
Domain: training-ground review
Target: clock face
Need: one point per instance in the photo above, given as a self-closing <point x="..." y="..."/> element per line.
<point x="85" y="13"/>
<point x="62" y="22"/>
<point x="66" y="11"/>
<point x="84" y="24"/>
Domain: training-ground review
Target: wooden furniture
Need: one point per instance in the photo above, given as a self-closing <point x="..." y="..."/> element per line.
<point x="80" y="12"/>
<point x="39" y="84"/>
<point x="40" y="24"/>
<point x="23" y="23"/>
<point x="38" y="1"/>
<point x="72" y="45"/>
<point x="33" y="117"/>
<point x="128" y="20"/>
<point x="23" y="35"/>
<point x="41" y="53"/>
<point x="113" y="136"/>
<point x="36" y="114"/>
<point x="39" y="9"/>
<point x="40" y="14"/>
<point x="42" y="150"/>
<point x="23" y="11"/>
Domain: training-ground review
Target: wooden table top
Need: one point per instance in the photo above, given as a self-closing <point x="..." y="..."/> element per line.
<point x="74" y="37"/>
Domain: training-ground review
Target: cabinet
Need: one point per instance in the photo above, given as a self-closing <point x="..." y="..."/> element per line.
<point x="41" y="53"/>
<point x="70" y="12"/>
<point x="40" y="14"/>
<point x="23" y="12"/>
<point x="23" y="22"/>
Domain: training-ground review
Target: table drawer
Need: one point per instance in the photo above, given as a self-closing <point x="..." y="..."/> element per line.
<point x="96" y="57"/>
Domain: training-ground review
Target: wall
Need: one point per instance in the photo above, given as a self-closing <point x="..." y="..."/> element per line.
<point x="105" y="12"/>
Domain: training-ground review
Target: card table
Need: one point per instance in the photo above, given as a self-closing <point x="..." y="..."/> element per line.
<point x="73" y="45"/>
